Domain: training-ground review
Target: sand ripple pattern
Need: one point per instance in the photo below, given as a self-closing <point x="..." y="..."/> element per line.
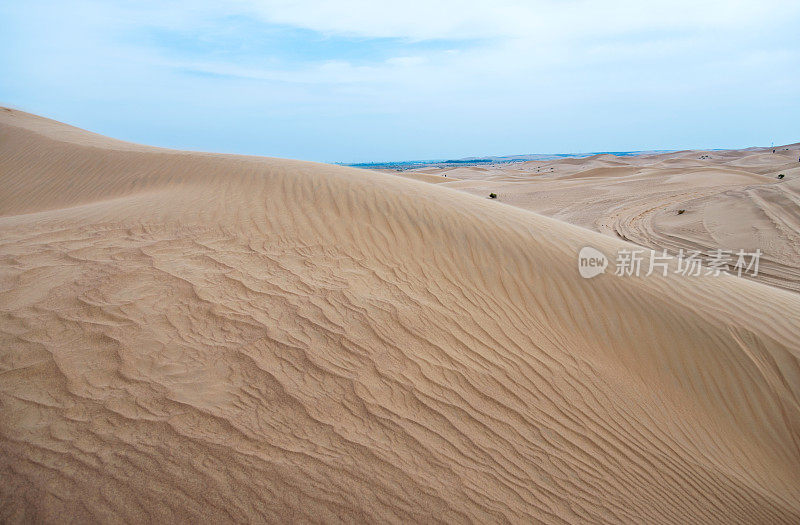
<point x="688" y="200"/>
<point x="210" y="338"/>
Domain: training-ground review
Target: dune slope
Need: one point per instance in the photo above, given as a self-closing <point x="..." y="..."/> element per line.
<point x="204" y="337"/>
<point x="687" y="200"/>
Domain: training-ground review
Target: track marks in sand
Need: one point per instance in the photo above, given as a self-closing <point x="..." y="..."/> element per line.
<point x="273" y="340"/>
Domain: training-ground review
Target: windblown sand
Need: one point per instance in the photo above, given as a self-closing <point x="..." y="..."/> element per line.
<point x="192" y="337"/>
<point x="728" y="200"/>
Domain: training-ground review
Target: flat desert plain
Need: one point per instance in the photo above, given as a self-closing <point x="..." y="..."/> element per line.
<point x="204" y="338"/>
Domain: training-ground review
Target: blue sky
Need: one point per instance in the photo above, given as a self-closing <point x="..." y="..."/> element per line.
<point x="358" y="80"/>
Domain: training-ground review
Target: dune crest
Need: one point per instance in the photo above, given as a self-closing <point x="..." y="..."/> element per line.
<point x="195" y="336"/>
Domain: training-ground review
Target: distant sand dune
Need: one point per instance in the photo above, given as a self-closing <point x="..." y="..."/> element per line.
<point x="203" y="337"/>
<point x="731" y="200"/>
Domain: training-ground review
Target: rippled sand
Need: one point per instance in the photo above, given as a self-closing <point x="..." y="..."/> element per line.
<point x="201" y="337"/>
<point x="728" y="200"/>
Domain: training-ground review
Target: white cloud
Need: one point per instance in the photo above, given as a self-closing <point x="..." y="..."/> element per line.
<point x="492" y="70"/>
<point x="563" y="19"/>
<point x="518" y="38"/>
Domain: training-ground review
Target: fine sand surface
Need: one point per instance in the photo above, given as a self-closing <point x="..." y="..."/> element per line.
<point x="731" y="200"/>
<point x="193" y="337"/>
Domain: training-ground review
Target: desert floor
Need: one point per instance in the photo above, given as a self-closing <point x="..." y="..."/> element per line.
<point x="691" y="200"/>
<point x="197" y="337"/>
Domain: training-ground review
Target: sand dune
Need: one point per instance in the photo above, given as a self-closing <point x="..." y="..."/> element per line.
<point x="731" y="200"/>
<point x="201" y="337"/>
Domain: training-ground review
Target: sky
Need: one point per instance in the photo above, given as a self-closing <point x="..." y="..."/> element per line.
<point x="361" y="80"/>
